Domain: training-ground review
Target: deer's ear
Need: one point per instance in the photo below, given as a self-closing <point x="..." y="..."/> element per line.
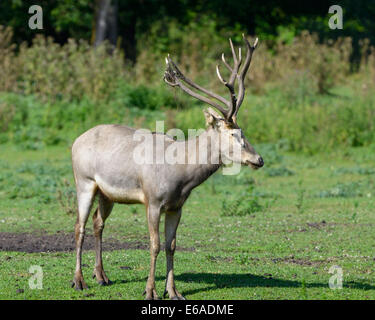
<point x="212" y="117"/>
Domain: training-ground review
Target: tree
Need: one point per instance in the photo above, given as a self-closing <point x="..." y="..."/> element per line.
<point x="106" y="22"/>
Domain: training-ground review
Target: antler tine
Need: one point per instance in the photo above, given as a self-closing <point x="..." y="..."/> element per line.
<point x="174" y="77"/>
<point x="233" y="51"/>
<point x="232" y="79"/>
<point x="237" y="63"/>
<point x="241" y="76"/>
<point x="255" y="43"/>
<point x="219" y="75"/>
<point x="225" y="63"/>
<point x="198" y="87"/>
<point x="249" y="54"/>
<point x="229" y="114"/>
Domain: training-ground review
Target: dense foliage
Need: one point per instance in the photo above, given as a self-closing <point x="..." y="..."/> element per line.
<point x="304" y="90"/>
<point x="65" y="19"/>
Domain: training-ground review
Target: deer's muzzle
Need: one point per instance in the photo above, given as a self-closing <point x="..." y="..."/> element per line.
<point x="256" y="164"/>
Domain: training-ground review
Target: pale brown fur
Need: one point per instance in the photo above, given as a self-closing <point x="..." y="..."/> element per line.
<point x="103" y="166"/>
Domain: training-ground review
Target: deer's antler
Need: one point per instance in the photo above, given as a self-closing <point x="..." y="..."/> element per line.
<point x="174" y="77"/>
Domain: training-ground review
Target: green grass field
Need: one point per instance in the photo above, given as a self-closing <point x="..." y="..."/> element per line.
<point x="267" y="234"/>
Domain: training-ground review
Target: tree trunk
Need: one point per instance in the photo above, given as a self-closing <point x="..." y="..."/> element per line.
<point x="106" y="22"/>
<point x="112" y="23"/>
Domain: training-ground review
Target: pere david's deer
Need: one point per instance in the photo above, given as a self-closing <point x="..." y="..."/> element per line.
<point x="104" y="165"/>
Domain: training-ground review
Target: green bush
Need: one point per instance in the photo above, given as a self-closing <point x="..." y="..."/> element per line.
<point x="151" y="97"/>
<point x="38" y="180"/>
<point x="342" y="190"/>
<point x="59" y="92"/>
<point x="53" y="72"/>
<point x="33" y="124"/>
<point x="241" y="206"/>
<point x="325" y="124"/>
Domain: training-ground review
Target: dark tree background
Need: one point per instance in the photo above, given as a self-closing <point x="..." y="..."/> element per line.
<point x="95" y="20"/>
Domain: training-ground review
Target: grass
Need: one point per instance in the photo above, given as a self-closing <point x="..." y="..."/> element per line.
<point x="282" y="250"/>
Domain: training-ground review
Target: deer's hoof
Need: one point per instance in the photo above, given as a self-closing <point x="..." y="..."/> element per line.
<point x="174" y="295"/>
<point x="104" y="283"/>
<point x="180" y="297"/>
<point x="151" y="294"/>
<point x="101" y="277"/>
<point x="79" y="284"/>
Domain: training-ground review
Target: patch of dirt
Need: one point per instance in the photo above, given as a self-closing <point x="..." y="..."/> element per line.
<point x="317" y="225"/>
<point x="301" y="262"/>
<point x="220" y="259"/>
<point x="310" y="225"/>
<point x="31" y="242"/>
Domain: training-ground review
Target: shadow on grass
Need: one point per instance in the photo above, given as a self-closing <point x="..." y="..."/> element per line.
<point x="249" y="280"/>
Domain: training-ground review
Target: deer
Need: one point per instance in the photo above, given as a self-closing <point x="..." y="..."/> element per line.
<point x="104" y="167"/>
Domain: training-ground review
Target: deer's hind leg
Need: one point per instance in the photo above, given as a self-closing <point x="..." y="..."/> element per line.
<point x="86" y="190"/>
<point x="101" y="214"/>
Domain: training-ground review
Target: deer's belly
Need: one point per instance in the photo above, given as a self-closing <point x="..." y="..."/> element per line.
<point x="120" y="193"/>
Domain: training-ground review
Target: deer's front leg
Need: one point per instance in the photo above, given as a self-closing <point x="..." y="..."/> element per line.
<point x="153" y="218"/>
<point x="171" y="223"/>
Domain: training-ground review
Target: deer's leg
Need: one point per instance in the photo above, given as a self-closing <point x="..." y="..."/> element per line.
<point x="85" y="196"/>
<point x="172" y="220"/>
<point x="153" y="218"/>
<point x="101" y="214"/>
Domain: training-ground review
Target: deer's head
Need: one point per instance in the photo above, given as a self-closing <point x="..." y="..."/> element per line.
<point x="236" y="148"/>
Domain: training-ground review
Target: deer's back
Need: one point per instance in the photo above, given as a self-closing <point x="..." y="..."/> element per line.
<point x="104" y="154"/>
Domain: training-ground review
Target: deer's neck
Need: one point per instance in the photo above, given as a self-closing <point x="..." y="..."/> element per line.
<point x="203" y="158"/>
